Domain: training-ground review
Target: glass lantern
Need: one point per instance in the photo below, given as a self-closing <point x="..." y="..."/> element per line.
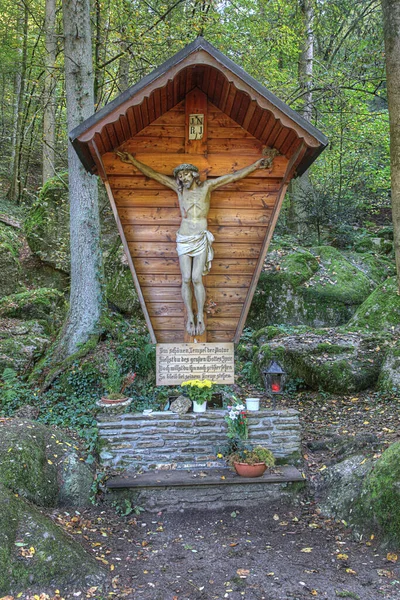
<point x="274" y="378"/>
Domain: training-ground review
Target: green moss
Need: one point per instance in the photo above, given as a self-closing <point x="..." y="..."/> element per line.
<point x="379" y="504"/>
<point x="31" y="304"/>
<point x="377" y="268"/>
<point x="120" y="289"/>
<point x="10" y="246"/>
<point x="320" y="290"/>
<point x="21" y="342"/>
<point x="298" y="267"/>
<point x="381" y="310"/>
<point x="56" y="560"/>
<point x="325" y="348"/>
<point x="341" y="280"/>
<point x="47" y="225"/>
<point x="267" y="333"/>
<point x="24" y="468"/>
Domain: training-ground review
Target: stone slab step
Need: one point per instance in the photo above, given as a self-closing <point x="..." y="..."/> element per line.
<point x="201" y="477"/>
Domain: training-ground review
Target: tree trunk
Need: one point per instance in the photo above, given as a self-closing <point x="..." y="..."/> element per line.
<point x="49" y="92"/>
<point x="86" y="290"/>
<point x="298" y="217"/>
<point x="19" y="87"/>
<point x="391" y="27"/>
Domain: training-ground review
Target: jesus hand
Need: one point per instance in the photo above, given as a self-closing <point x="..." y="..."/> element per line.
<point x="125" y="156"/>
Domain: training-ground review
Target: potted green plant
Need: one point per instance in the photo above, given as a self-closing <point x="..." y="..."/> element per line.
<point x="115" y="383"/>
<point x="251" y="462"/>
<point x="199" y="392"/>
<point x="248" y="461"/>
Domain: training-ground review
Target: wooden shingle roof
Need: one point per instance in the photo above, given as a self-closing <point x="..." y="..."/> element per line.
<point x="227" y="86"/>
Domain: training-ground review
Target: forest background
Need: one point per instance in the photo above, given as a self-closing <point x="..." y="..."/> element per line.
<point x="325" y="59"/>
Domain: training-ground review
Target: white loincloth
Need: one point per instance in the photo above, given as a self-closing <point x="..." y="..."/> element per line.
<point x="193" y="245"/>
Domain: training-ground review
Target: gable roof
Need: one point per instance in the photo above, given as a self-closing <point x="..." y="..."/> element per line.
<point x="228" y="86"/>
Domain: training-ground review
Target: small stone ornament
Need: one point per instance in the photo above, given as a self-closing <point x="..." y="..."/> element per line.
<point x="181" y="405"/>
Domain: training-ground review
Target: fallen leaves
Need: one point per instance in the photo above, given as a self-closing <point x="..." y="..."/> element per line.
<point x="306" y="550"/>
<point x="391" y="557"/>
<point x="243" y="573"/>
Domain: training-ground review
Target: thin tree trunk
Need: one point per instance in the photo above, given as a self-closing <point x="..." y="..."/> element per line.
<point x="49" y="92"/>
<point x="391" y="27"/>
<point x="14" y="191"/>
<point x="298" y="217"/>
<point x="307" y="57"/>
<point x="97" y="47"/>
<point x="123" y="68"/>
<point x="86" y="291"/>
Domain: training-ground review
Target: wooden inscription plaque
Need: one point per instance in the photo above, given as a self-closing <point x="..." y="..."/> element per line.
<point x="179" y="362"/>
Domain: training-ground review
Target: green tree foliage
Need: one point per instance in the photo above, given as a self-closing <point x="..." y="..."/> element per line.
<point x="131" y="38"/>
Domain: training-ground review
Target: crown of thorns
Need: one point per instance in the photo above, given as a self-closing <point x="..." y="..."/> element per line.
<point x="185" y="167"/>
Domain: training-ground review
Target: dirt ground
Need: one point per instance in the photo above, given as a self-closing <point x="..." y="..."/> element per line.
<point x="272" y="553"/>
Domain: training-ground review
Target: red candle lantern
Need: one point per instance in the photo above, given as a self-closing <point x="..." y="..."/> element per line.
<point x="274" y="378"/>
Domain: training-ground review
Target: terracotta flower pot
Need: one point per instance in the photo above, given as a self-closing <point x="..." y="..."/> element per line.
<point x="245" y="470"/>
<point x="106" y="400"/>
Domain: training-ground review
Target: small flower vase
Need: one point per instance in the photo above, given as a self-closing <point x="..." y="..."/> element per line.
<point x="252" y="404"/>
<point x="199" y="408"/>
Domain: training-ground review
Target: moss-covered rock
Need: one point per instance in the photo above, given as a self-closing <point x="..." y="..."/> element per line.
<point x="9" y="265"/>
<point x="47" y="224"/>
<point x="42" y="465"/>
<point x="120" y="289"/>
<point x="35" y="552"/>
<point x="338" y="362"/>
<point x="318" y="288"/>
<point x="379" y="504"/>
<point x="377" y="268"/>
<point x="26" y="465"/>
<point x="39" y="303"/>
<point x="21" y="343"/>
<point x="340" y="486"/>
<point x="381" y="310"/>
<point x="389" y="378"/>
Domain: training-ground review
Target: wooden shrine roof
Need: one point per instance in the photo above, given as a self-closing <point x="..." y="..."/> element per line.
<point x="227" y="86"/>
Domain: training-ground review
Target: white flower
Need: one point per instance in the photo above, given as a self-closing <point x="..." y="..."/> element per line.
<point x="232" y="415"/>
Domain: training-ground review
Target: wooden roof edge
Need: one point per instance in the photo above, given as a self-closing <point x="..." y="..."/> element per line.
<point x="198" y="44"/>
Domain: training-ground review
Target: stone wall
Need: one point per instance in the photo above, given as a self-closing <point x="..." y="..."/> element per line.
<point x="167" y="440"/>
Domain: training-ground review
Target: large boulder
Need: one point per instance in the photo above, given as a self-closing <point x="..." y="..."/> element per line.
<point x="9" y="264"/>
<point x="339" y="488"/>
<point x="389" y="378"/>
<point x="379" y="504"/>
<point x="43" y="465"/>
<point x="120" y="289"/>
<point x="39" y="303"/>
<point x="47" y="224"/>
<point x="364" y="491"/>
<point x="381" y="310"/>
<point x="332" y="360"/>
<point x="21" y="343"/>
<point x="319" y="288"/>
<point x="35" y="553"/>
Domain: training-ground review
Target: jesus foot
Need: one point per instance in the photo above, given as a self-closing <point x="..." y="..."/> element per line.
<point x="190" y="327"/>
<point x="200" y="325"/>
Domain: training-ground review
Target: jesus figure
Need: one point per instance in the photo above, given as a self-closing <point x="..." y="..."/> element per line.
<point x="194" y="241"/>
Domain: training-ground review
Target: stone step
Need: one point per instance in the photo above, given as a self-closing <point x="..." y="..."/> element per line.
<point x="214" y="476"/>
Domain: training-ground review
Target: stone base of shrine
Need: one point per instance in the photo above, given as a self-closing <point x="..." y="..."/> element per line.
<point x="214" y="488"/>
<point x="166" y="441"/>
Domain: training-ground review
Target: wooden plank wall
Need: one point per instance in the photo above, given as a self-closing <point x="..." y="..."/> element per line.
<point x="239" y="218"/>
